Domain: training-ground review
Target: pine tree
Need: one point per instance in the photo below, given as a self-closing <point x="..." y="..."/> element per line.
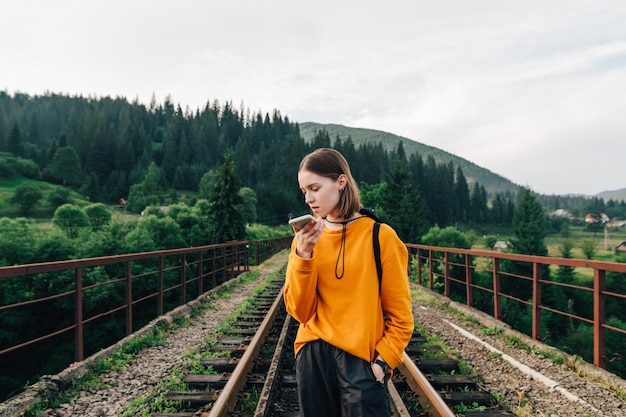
<point x="65" y="166"/>
<point x="225" y="219"/>
<point x="529" y="231"/>
<point x="402" y="204"/>
<point x="2" y="131"/>
<point x="16" y="143"/>
<point x="528" y="226"/>
<point x="461" y="191"/>
<point x="321" y="140"/>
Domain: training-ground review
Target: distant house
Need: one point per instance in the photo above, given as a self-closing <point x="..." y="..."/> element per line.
<point x="596" y="217"/>
<point x="621" y="246"/>
<point x="500" y="245"/>
<point x="617" y="223"/>
<point x="563" y="213"/>
<point x="162" y="209"/>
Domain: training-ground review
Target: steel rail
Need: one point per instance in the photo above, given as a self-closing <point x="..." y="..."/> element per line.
<point x="428" y="397"/>
<point x="271" y="380"/>
<point x="226" y="401"/>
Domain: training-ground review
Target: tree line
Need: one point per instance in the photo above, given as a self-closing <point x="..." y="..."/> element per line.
<point x="111" y="149"/>
<point x="104" y="146"/>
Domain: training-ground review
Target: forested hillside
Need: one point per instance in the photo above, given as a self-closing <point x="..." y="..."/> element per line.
<point x="492" y="182"/>
<point x="104" y="146"/>
<point x="110" y="149"/>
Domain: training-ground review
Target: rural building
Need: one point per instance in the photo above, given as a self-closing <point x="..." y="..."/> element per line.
<point x="162" y="209"/>
<point x="500" y="245"/>
<point x="596" y="217"/>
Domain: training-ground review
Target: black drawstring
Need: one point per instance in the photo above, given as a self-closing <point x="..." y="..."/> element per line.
<point x="342" y="247"/>
<point x="342" y="252"/>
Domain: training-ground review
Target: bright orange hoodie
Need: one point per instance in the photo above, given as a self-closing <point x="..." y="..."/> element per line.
<point x="347" y="312"/>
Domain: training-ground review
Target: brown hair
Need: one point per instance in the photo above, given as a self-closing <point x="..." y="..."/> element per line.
<point x="330" y="163"/>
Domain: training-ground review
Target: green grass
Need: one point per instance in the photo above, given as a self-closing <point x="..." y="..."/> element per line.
<point x="42" y="209"/>
<point x="605" y="250"/>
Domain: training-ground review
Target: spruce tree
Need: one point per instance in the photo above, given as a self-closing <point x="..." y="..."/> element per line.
<point x="403" y="205"/>
<point x="2" y="131"/>
<point x="226" y="221"/>
<point x="528" y="226"/>
<point x="65" y="166"/>
<point x="529" y="231"/>
<point x="15" y="142"/>
<point x="461" y="189"/>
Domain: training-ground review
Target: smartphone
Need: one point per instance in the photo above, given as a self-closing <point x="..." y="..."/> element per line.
<point x="300" y="222"/>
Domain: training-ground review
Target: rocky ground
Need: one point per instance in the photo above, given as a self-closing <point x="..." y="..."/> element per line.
<point x="528" y="382"/>
<point x="580" y="390"/>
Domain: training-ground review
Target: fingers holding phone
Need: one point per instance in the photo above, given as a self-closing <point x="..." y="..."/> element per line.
<point x="308" y="231"/>
<point x="299" y="222"/>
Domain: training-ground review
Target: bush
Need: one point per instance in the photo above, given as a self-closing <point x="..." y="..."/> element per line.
<point x="71" y="219"/>
<point x="59" y="196"/>
<point x="98" y="214"/>
<point x="11" y="166"/>
<point x="261" y="231"/>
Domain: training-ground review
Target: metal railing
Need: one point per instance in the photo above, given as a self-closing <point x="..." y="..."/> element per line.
<point x="496" y="282"/>
<point x="90" y="304"/>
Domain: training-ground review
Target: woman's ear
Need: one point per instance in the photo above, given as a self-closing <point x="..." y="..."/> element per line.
<point x="342" y="180"/>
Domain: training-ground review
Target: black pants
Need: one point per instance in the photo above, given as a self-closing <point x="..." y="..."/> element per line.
<point x="333" y="383"/>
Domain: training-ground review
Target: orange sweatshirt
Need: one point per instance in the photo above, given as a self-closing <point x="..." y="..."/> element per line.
<point x="348" y="312"/>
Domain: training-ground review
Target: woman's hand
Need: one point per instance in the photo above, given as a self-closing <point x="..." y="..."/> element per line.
<point x="380" y="369"/>
<point x="379" y="372"/>
<point x="307" y="237"/>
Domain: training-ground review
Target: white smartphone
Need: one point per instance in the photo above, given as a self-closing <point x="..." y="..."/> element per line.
<point x="300" y="222"/>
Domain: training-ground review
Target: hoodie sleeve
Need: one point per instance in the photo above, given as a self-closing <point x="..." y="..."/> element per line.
<point x="300" y="286"/>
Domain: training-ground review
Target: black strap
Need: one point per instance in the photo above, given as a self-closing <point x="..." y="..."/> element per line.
<point x="376" y="243"/>
<point x="369" y="212"/>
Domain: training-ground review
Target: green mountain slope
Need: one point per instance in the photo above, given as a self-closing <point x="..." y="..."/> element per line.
<point x="492" y="182"/>
<point x="617" y="195"/>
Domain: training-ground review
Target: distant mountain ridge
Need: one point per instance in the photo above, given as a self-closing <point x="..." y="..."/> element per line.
<point x="492" y="182"/>
<point x="617" y="195"/>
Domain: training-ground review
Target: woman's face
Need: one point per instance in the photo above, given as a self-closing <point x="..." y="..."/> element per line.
<point x="321" y="193"/>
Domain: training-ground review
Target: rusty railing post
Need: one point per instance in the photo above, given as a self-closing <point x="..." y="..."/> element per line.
<point x="200" y="273"/>
<point x="431" y="280"/>
<point x="78" y="276"/>
<point x="129" y="299"/>
<point x="161" y="285"/>
<point x="599" y="332"/>
<point x="536" y="319"/>
<point x="497" y="306"/>
<point x="469" y="296"/>
<point x="446" y="274"/>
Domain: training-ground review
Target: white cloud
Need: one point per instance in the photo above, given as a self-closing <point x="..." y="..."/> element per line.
<point x="530" y="90"/>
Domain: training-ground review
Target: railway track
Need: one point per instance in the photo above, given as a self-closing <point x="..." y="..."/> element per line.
<point x="251" y="373"/>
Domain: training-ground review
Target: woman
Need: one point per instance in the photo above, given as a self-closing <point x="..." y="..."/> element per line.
<point x="352" y="333"/>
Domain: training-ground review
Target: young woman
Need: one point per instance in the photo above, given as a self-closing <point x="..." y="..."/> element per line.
<point x="352" y="332"/>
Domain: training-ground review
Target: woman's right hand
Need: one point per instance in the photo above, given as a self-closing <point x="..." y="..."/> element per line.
<point x="307" y="237"/>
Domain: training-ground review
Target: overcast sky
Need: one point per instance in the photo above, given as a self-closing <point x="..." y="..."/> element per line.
<point x="532" y="90"/>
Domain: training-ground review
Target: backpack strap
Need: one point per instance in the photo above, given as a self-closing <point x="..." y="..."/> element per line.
<point x="376" y="243"/>
<point x="369" y="212"/>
